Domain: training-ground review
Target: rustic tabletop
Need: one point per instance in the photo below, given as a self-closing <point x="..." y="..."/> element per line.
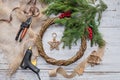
<point x="109" y="68"/>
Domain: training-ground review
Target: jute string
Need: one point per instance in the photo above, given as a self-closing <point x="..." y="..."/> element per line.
<point x="79" y="69"/>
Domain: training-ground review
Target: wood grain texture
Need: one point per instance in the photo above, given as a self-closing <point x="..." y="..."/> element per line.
<point x="109" y="68"/>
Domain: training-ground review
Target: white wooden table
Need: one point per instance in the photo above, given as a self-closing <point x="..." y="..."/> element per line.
<point x="109" y="68"/>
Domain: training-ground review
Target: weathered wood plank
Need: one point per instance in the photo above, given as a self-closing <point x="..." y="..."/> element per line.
<point x="113" y="45"/>
<point x="110" y="17"/>
<point x="28" y="75"/>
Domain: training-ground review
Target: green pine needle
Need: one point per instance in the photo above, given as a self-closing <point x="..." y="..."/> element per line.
<point x="84" y="15"/>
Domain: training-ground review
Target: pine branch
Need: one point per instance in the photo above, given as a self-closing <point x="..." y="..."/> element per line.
<point x="83" y="15"/>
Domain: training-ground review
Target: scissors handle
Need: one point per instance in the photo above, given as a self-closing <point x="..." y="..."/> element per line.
<point x="18" y="34"/>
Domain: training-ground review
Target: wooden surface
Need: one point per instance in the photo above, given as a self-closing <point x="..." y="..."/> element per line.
<point x="109" y="68"/>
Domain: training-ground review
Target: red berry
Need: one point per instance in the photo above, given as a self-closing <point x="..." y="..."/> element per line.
<point x="90" y="33"/>
<point x="65" y="14"/>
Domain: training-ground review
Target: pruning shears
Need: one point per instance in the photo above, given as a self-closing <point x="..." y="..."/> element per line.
<point x="23" y="29"/>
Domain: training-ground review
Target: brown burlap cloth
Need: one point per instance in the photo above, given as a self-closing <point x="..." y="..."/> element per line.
<point x="93" y="59"/>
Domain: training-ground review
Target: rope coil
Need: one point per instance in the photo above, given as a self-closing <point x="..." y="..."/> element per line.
<point x="53" y="61"/>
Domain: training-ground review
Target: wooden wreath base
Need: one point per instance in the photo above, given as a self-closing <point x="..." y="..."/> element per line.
<point x="53" y="61"/>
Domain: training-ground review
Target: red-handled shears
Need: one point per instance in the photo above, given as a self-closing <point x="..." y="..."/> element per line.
<point x="23" y="29"/>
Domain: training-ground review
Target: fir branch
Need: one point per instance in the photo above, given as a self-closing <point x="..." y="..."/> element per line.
<point x="83" y="15"/>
